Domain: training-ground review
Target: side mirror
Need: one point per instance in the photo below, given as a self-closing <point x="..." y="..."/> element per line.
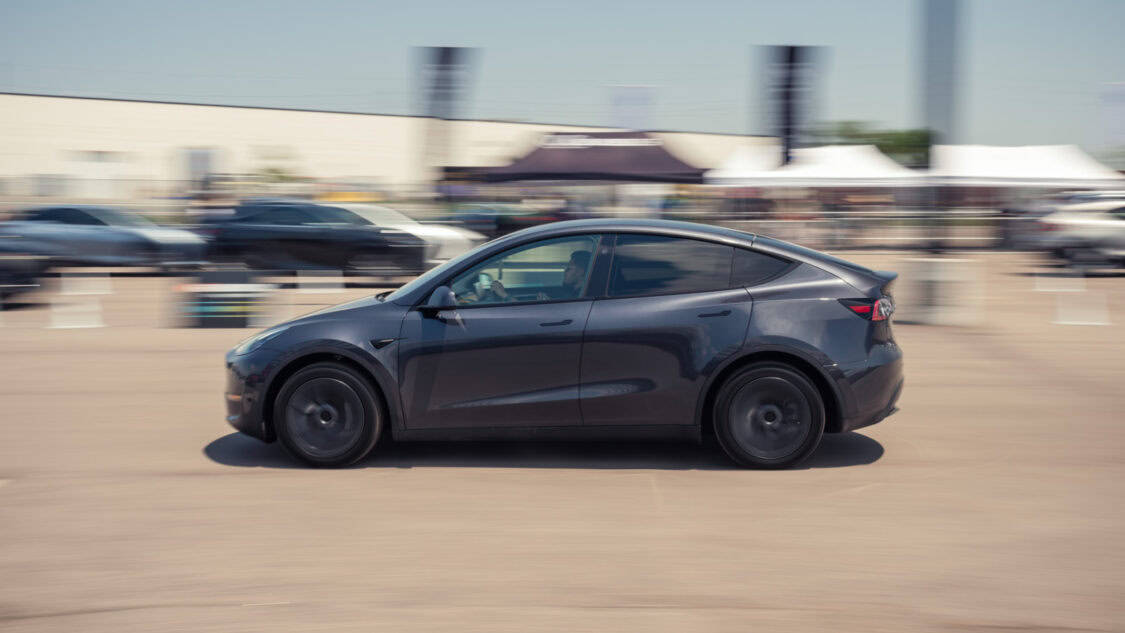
<point x="442" y="298"/>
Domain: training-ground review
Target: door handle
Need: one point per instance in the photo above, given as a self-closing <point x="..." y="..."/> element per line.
<point x="554" y="323"/>
<point x="720" y="313"/>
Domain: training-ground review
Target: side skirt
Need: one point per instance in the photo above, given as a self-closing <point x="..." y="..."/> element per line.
<point x="689" y="433"/>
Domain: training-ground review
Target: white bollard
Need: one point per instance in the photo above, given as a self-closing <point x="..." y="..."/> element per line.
<point x="85" y="313"/>
<point x="1060" y="283"/>
<point x="1081" y="308"/>
<point x="79" y="284"/>
<point x="322" y="281"/>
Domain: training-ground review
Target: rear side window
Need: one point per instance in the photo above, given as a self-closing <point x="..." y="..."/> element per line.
<point x="286" y="216"/>
<point x="44" y="215"/>
<point x="752" y="268"/>
<point x="655" y="264"/>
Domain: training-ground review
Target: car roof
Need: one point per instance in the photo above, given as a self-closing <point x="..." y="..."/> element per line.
<point x="848" y="271"/>
<point x="257" y="201"/>
<point x="637" y="225"/>
<point x="81" y="207"/>
<point x="1093" y="206"/>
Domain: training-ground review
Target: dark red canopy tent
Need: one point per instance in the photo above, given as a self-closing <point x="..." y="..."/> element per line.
<point x="602" y="156"/>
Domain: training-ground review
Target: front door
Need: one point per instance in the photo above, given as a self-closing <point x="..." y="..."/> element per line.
<point x="508" y="356"/>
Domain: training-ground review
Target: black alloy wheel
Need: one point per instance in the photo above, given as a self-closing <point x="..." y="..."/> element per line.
<point x="328" y="415"/>
<point x="768" y="415"/>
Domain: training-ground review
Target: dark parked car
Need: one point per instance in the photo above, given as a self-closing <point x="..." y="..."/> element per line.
<point x="588" y="328"/>
<point x="284" y="234"/>
<point x="495" y="220"/>
<point x="91" y="235"/>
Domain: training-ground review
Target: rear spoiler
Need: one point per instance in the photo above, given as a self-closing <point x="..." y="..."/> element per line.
<point x="887" y="277"/>
<point x="873" y="283"/>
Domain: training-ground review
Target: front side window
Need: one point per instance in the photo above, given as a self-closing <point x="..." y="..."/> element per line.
<point x="550" y="270"/>
<point x="655" y="264"/>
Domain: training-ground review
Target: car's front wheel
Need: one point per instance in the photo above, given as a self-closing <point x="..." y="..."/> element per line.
<point x="768" y="415"/>
<point x="328" y="415"/>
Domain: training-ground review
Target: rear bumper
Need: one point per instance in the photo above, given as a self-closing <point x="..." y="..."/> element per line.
<point x="888" y="410"/>
<point x="876" y="388"/>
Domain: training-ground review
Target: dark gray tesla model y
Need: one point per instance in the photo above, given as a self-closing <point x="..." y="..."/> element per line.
<point x="586" y="329"/>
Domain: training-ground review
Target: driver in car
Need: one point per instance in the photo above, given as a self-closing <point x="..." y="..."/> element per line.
<point x="574" y="280"/>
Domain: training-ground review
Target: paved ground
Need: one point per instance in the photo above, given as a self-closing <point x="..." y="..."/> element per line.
<point x="991" y="502"/>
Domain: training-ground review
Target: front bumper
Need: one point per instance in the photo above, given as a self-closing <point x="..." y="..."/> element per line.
<point x="245" y="394"/>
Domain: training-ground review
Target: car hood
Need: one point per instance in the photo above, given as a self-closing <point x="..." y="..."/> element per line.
<point x="357" y="304"/>
<point x="438" y="232"/>
<point x="164" y="235"/>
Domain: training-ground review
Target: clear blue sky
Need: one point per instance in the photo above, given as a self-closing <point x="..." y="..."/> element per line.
<point x="1032" y="70"/>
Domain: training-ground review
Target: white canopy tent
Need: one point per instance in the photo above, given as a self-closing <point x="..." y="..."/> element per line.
<point x="828" y="166"/>
<point x="1019" y="166"/>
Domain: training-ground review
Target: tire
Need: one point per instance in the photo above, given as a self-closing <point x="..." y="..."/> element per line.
<point x="327" y="415"/>
<point x="768" y="415"/>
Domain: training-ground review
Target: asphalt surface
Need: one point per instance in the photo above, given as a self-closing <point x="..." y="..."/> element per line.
<point x="990" y="502"/>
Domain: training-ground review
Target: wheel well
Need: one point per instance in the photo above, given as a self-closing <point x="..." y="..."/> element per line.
<point x="298" y="364"/>
<point x="832" y="419"/>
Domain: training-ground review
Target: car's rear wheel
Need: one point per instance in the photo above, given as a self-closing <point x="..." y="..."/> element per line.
<point x="768" y="415"/>
<point x="327" y="415"/>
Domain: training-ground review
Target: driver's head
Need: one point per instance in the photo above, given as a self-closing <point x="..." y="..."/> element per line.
<point x="576" y="268"/>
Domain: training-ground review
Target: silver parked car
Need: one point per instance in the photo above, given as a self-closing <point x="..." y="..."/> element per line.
<point x="1086" y="233"/>
<point x="91" y="235"/>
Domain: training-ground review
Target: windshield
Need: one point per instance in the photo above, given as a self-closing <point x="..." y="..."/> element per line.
<point x="336" y="215"/>
<point x="114" y="217"/>
<point x="432" y="274"/>
<point x="379" y="216"/>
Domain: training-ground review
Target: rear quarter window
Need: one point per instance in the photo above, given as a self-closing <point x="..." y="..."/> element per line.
<point x="751" y="268"/>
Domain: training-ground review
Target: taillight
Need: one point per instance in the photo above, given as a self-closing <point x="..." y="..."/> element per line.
<point x="1048" y="226"/>
<point x="871" y="309"/>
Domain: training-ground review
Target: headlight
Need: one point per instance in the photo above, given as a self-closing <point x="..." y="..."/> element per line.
<point x="256" y="341"/>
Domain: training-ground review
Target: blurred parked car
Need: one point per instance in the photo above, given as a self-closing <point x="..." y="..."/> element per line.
<point x="297" y="234"/>
<point x="89" y="235"/>
<point x="1087" y="233"/>
<point x="495" y="220"/>
<point x="443" y="242"/>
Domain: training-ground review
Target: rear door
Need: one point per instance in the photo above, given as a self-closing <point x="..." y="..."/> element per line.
<point x="666" y="320"/>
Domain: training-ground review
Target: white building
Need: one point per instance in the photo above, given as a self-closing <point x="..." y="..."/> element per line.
<point x="120" y="149"/>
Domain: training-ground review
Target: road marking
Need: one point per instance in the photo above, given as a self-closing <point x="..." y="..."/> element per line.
<point x="265" y="604"/>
